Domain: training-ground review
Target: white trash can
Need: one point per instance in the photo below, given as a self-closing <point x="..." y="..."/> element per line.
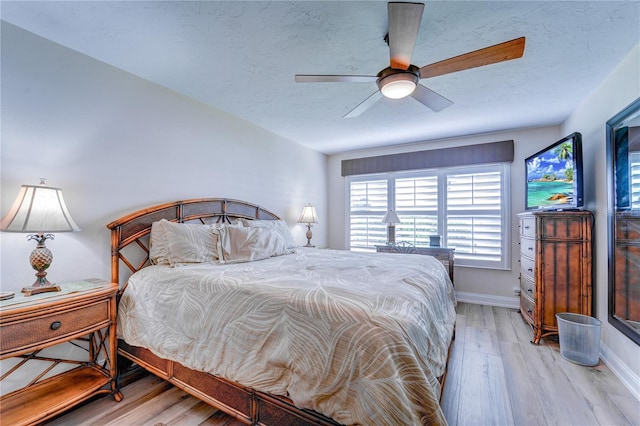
<point x="579" y="338"/>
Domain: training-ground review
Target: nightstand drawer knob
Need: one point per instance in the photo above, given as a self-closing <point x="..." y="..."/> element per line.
<point x="55" y="325"/>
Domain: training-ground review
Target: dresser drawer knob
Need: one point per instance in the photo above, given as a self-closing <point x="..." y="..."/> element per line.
<point x="530" y="290"/>
<point x="55" y="325"/>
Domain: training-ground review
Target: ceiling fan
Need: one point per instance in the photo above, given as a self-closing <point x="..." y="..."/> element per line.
<point x="401" y="78"/>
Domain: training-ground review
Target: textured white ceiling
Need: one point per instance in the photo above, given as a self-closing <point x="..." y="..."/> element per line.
<point x="241" y="57"/>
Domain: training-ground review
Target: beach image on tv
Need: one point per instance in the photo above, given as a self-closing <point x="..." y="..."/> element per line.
<point x="550" y="177"/>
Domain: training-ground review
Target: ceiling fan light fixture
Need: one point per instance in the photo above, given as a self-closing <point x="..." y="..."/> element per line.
<point x="398" y="85"/>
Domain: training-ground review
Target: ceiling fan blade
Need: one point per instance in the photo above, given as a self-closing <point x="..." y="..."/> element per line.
<point x="364" y="105"/>
<point x="404" y="23"/>
<point x="306" y="78"/>
<point x="506" y="51"/>
<point x="430" y="99"/>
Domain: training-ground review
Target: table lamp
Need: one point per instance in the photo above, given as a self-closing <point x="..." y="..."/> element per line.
<point x="391" y="218"/>
<point x="308" y="216"/>
<point x="39" y="210"/>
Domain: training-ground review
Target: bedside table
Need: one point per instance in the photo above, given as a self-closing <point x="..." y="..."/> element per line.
<point x="84" y="311"/>
<point x="443" y="254"/>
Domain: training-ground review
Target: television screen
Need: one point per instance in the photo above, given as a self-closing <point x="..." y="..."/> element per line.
<point x="554" y="176"/>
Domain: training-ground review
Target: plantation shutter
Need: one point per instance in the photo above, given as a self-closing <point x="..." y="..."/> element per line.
<point x="474" y="216"/>
<point x="417" y="208"/>
<point x="367" y="206"/>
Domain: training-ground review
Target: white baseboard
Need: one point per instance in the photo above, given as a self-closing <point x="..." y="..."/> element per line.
<point x="486" y="299"/>
<point x="628" y="378"/>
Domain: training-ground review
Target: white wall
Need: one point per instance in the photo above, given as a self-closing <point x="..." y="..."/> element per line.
<point x="116" y="143"/>
<point x="480" y="285"/>
<point x="617" y="91"/>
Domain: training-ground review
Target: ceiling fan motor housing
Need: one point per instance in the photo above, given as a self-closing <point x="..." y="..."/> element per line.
<point x="397" y="83"/>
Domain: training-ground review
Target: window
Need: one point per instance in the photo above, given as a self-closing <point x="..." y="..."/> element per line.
<point x="467" y="206"/>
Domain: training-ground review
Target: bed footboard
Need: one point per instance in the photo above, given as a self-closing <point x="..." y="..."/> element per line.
<point x="245" y="404"/>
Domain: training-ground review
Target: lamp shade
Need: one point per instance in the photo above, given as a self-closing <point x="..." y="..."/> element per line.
<point x="38" y="209"/>
<point x="308" y="215"/>
<point x="390" y="217"/>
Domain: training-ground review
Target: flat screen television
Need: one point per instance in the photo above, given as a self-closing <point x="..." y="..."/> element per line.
<point x="554" y="176"/>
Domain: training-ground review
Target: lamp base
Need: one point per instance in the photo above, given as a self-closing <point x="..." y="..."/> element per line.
<point x="40" y="259"/>
<point x="309" y="235"/>
<point x="391" y="234"/>
<point x="30" y="291"/>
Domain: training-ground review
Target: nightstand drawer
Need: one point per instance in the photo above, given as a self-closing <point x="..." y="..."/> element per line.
<point x="36" y="332"/>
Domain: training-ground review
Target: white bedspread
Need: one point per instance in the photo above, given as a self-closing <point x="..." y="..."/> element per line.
<point x="359" y="337"/>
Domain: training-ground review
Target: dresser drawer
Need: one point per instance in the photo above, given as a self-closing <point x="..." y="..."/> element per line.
<point x="37" y="331"/>
<point x="527" y="267"/>
<point x="528" y="226"/>
<point x="527" y="285"/>
<point x="526" y="307"/>
<point x="527" y="247"/>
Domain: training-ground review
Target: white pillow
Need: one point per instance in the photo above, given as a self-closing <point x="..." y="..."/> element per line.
<point x="249" y="244"/>
<point x="174" y="243"/>
<point x="279" y="226"/>
<point x="158" y="249"/>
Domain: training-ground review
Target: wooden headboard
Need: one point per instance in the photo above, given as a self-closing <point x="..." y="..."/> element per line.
<point x="130" y="233"/>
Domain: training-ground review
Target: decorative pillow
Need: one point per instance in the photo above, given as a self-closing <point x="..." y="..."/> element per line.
<point x="176" y="243"/>
<point x="279" y="226"/>
<point x="249" y="244"/>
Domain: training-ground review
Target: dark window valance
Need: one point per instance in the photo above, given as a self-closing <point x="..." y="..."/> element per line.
<point x="495" y="152"/>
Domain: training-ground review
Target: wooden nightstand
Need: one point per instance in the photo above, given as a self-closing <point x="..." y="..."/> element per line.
<point x="84" y="311"/>
<point x="443" y="254"/>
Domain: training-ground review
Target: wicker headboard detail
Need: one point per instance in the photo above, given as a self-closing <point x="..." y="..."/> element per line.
<point x="132" y="231"/>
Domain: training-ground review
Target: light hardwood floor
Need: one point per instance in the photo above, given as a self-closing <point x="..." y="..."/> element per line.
<point x="496" y="377"/>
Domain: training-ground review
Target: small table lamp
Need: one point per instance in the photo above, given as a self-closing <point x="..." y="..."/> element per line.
<point x="39" y="209"/>
<point x="308" y="216"/>
<point x="391" y="218"/>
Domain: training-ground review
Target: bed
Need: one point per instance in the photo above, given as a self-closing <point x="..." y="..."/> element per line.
<point x="293" y="337"/>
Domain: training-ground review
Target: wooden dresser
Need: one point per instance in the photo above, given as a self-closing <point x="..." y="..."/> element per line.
<point x="555" y="267"/>
<point x="88" y="317"/>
